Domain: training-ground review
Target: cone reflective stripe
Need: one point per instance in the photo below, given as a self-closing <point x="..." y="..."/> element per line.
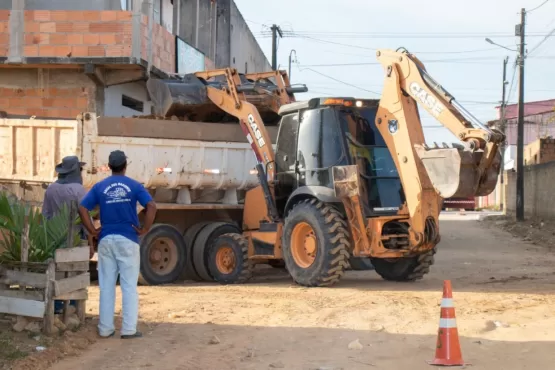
<point x="448" y="348"/>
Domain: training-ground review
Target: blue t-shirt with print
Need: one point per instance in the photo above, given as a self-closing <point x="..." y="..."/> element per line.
<point x="117" y="197"/>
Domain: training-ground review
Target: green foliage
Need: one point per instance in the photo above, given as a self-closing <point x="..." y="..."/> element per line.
<point x="45" y="235"/>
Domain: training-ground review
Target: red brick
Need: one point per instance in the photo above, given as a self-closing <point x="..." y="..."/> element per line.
<point x="17" y="102"/>
<point x="91" y="39"/>
<point x="108" y="15"/>
<point x="79" y="51"/>
<point x="47" y="27"/>
<point x="4" y="103"/>
<point x="126" y="28"/>
<point x="31" y="50"/>
<point x="39" y="112"/>
<point x="124" y="16"/>
<point x="32" y="27"/>
<point x="82" y="103"/>
<point x="118" y="51"/>
<point x="107" y="38"/>
<point x="64" y="27"/>
<point x="41" y="15"/>
<point x="19" y="111"/>
<point x="75" y="15"/>
<point x="123" y="39"/>
<point x="32" y="102"/>
<point x="106" y="27"/>
<point x="58" y="39"/>
<point x="3" y="27"/>
<point x="91" y="15"/>
<point x="28" y="15"/>
<point x="74" y="39"/>
<point x="62" y="51"/>
<point x="46" y="50"/>
<point x="4" y="38"/>
<point x="97" y="51"/>
<point x="81" y="27"/>
<point x="59" y="15"/>
<point x="4" y="15"/>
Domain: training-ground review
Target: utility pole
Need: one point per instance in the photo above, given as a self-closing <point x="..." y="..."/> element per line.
<point x="290" y="53"/>
<point x="503" y="129"/>
<point x="520" y="31"/>
<point x="275" y="31"/>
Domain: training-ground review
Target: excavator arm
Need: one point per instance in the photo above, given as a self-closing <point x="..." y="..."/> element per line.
<point x="231" y="98"/>
<point x="428" y="174"/>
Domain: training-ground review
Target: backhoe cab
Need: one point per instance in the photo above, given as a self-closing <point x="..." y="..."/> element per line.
<point x="354" y="179"/>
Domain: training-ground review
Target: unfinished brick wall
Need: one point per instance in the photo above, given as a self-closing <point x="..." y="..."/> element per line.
<point x="4" y="32"/>
<point x="68" y="33"/>
<point x="163" y="46"/>
<point x="49" y="93"/>
<point x="539" y="151"/>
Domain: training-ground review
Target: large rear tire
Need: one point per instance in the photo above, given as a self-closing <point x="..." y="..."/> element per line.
<point x="190" y="236"/>
<point x="404" y="269"/>
<point x="202" y="245"/>
<point x="163" y="255"/>
<point x="315" y="244"/>
<point x="228" y="259"/>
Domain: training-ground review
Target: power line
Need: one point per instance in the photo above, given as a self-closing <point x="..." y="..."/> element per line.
<point x="343" y="82"/>
<point x="539" y="6"/>
<point x="541" y="42"/>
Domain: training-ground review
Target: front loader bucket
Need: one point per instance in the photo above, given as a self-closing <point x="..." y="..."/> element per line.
<point x="454" y="172"/>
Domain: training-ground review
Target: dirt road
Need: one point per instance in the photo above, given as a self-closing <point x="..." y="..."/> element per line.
<point x="503" y="291"/>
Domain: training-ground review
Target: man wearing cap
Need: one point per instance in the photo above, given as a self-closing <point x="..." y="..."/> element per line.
<point x="118" y="246"/>
<point x="68" y="187"/>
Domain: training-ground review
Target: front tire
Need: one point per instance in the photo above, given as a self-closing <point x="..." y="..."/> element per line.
<point x="228" y="259"/>
<point x="316" y="243"/>
<point x="404" y="269"/>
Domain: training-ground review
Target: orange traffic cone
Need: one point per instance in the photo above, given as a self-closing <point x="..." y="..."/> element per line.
<point x="448" y="349"/>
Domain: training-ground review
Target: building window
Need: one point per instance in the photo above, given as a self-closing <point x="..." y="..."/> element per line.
<point x="131" y="103"/>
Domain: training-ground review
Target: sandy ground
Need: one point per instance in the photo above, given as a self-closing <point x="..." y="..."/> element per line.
<point x="503" y="291"/>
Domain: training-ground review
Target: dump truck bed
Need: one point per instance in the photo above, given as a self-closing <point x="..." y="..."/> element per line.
<point x="163" y="154"/>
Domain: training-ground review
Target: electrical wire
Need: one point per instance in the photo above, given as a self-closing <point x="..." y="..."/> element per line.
<point x="541" y="42"/>
<point x="537" y="7"/>
<point x="343" y="82"/>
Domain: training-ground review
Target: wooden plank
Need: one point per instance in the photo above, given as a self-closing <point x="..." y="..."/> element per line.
<point x="72" y="266"/>
<point x="81" y="310"/>
<point x="33" y="295"/>
<point x="77" y="254"/>
<point x="22" y="307"/>
<point x="75" y="295"/>
<point x="31" y="279"/>
<point x="66" y="303"/>
<point x="48" y="322"/>
<point x="70" y="284"/>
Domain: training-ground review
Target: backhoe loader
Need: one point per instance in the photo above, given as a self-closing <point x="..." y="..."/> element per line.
<point x="352" y="178"/>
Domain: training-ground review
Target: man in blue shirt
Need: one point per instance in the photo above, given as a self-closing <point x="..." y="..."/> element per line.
<point x="118" y="242"/>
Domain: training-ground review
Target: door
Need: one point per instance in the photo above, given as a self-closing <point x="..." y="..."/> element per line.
<point x="286" y="150"/>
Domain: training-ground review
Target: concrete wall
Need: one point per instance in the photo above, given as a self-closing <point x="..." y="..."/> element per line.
<point x="48" y="93"/>
<point x="246" y="54"/>
<point x="538" y="191"/>
<point x="113" y="100"/>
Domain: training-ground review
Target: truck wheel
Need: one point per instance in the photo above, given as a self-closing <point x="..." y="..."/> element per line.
<point x="316" y="243"/>
<point x="163" y="255"/>
<point x="202" y="245"/>
<point x="228" y="259"/>
<point x="189" y="272"/>
<point x="361" y="264"/>
<point x="404" y="269"/>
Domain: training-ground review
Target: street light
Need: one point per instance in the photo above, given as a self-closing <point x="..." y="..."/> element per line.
<point x="291" y="53"/>
<point x="501" y="46"/>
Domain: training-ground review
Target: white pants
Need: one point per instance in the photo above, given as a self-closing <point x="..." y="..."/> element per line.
<point x="117" y="254"/>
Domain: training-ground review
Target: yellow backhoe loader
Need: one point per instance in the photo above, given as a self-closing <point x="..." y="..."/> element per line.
<point x="351" y="178"/>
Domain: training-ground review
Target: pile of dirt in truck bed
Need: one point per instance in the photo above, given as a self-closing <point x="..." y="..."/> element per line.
<point x="534" y="230"/>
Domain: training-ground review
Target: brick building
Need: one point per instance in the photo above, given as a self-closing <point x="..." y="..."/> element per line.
<point x="59" y="57"/>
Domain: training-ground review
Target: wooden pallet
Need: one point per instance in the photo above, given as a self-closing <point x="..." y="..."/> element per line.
<point x="30" y="288"/>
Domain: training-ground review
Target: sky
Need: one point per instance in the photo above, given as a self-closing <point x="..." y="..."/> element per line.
<point x="335" y="44"/>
